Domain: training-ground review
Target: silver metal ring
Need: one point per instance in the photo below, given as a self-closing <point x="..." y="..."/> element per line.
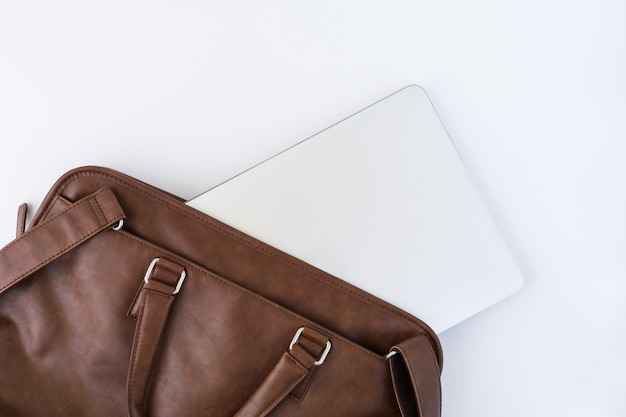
<point x="391" y="354"/>
<point x="324" y="354"/>
<point x="148" y="275"/>
<point x="119" y="225"/>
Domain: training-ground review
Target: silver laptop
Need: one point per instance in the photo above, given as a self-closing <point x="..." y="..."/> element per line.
<point x="383" y="201"/>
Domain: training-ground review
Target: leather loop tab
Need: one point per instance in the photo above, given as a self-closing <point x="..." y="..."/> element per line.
<point x="162" y="276"/>
<point x="286" y="374"/>
<point x="416" y="378"/>
<point x="153" y="307"/>
<point x="290" y="370"/>
<point x="22" y="212"/>
<point x="47" y="241"/>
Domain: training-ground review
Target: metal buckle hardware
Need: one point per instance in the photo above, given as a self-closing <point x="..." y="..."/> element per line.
<point x="322" y="358"/>
<point x="148" y="275"/>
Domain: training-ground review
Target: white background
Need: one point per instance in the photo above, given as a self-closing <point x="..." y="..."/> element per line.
<point x="185" y="94"/>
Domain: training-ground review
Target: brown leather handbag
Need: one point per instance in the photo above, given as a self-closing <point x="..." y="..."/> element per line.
<point x="120" y="300"/>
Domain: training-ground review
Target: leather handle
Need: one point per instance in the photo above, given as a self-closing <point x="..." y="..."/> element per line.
<point x="58" y="235"/>
<point x="286" y="374"/>
<point x="163" y="281"/>
<point x="414" y="369"/>
<point x="150" y="325"/>
<point x="308" y="349"/>
<point x="416" y="378"/>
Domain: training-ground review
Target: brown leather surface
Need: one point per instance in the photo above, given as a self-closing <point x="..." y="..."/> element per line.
<point x="155" y="303"/>
<point x="61" y="233"/>
<point x="415" y="393"/>
<point x="308" y="350"/>
<point x="66" y="340"/>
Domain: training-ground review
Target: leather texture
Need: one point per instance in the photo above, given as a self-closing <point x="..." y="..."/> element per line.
<point x="178" y="314"/>
<point x="293" y="366"/>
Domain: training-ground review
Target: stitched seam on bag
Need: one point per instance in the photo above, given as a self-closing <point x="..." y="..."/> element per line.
<point x="93" y="205"/>
<point x="230" y="234"/>
<point x="56" y="254"/>
<point x="223" y="281"/>
<point x="177" y="273"/>
<point x="57" y="195"/>
<point x="288" y="262"/>
<point x="67" y="209"/>
<point x="102" y="218"/>
<point x="251" y="244"/>
<point x="289" y="388"/>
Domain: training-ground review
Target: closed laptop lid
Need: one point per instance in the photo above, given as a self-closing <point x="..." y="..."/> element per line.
<point x="381" y="200"/>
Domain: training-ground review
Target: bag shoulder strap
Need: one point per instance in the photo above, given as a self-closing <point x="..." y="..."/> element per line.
<point x="416" y="378"/>
<point x="56" y="236"/>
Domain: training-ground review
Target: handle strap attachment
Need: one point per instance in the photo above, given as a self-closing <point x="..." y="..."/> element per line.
<point x="307" y="350"/>
<point x="416" y="378"/>
<point x="47" y="241"/>
<point x="162" y="282"/>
